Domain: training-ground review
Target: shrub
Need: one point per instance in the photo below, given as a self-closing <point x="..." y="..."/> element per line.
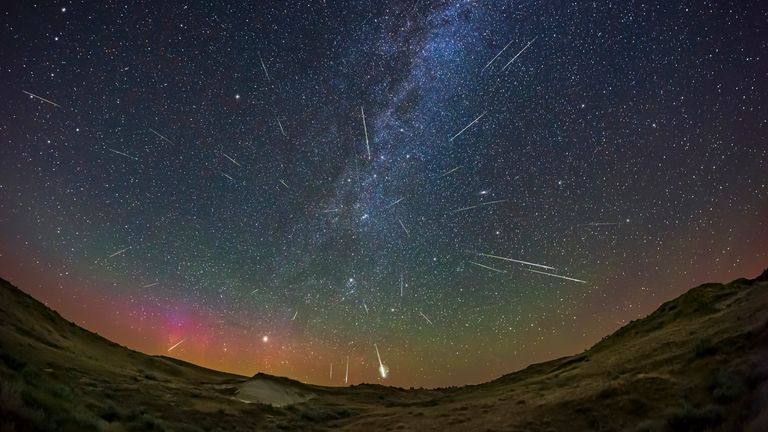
<point x="727" y="385"/>
<point x="704" y="348"/>
<point x="690" y="419"/>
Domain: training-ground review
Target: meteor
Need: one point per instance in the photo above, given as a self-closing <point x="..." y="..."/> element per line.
<point x="119" y="252"/>
<point x="34" y="96"/>
<point x="161" y="137"/>
<point x="264" y="67"/>
<point x="151" y="285"/>
<point x="395" y="202"/>
<point x="279" y="123"/>
<point x="467" y="126"/>
<point x="425" y="317"/>
<point x="479" y="205"/>
<point x="404" y="228"/>
<point x="122" y="154"/>
<point x="365" y="128"/>
<point x="517" y="261"/>
<point x="330" y="376"/>
<point x="446" y="173"/>
<point x="295" y="314"/>
<point x="497" y="55"/>
<point x="227" y="176"/>
<point x="487" y="267"/>
<point x="346" y="372"/>
<point x="401" y="284"/>
<point x="179" y="343"/>
<point x="383" y="369"/>
<point x="557" y="276"/>
<point x="518" y="54"/>
<point x="284" y="184"/>
<point x="231" y="160"/>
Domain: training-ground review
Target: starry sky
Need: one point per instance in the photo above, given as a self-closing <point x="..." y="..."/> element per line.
<point x="290" y="187"/>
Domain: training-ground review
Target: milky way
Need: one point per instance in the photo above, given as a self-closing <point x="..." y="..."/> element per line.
<point x="428" y="193"/>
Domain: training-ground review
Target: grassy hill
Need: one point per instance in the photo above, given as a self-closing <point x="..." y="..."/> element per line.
<point x="697" y="363"/>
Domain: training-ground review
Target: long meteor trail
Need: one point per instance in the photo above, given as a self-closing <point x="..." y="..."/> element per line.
<point x="517" y="261"/>
<point x="557" y="276"/>
<point x="264" y="67"/>
<point x="177" y="344"/>
<point x="467" y="126"/>
<point x="122" y="154"/>
<point x="425" y="317"/>
<point x="497" y="56"/>
<point x="518" y="54"/>
<point x="487" y="267"/>
<point x="383" y="370"/>
<point x="160" y="135"/>
<point x="230" y="159"/>
<point x="119" y="252"/>
<point x="42" y="99"/>
<point x="480" y="205"/>
<point x="365" y="128"/>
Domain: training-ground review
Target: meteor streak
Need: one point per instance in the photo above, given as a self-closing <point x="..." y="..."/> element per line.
<point x="161" y="137"/>
<point x="122" y="154"/>
<point x="294" y="315"/>
<point x="391" y="205"/>
<point x="151" y="285"/>
<point x="365" y="128"/>
<point x="557" y="276"/>
<point x="279" y="123"/>
<point x="284" y="184"/>
<point x="227" y="176"/>
<point x="404" y="228"/>
<point x="517" y="261"/>
<point x="446" y="173"/>
<point x="231" y="160"/>
<point x="119" y="252"/>
<point x="346" y="372"/>
<point x="497" y="55"/>
<point x="518" y="54"/>
<point x="467" y="126"/>
<point x="485" y="266"/>
<point x="480" y="205"/>
<point x="425" y="317"/>
<point x="41" y="98"/>
<point x="264" y="67"/>
<point x="177" y="344"/>
<point x="383" y="369"/>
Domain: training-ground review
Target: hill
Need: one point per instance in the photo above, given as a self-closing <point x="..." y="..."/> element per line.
<point x="696" y="363"/>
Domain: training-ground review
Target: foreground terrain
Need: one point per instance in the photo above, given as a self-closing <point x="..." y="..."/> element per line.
<point x="697" y="363"/>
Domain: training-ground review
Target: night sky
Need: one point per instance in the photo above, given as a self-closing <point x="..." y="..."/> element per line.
<point x="289" y="187"/>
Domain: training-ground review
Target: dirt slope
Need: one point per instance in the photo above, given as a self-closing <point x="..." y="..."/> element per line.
<point x="696" y="363"/>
